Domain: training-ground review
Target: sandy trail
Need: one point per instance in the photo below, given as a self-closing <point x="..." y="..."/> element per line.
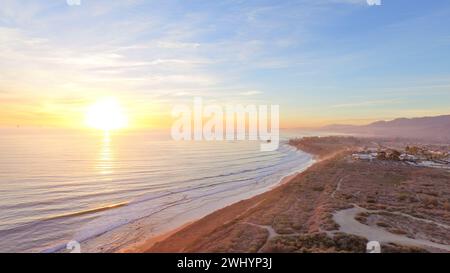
<point x="347" y="224"/>
<point x="338" y="188"/>
<point x="407" y="216"/>
<point x="272" y="234"/>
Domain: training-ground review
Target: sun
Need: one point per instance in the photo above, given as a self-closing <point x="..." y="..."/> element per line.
<point x="106" y="114"/>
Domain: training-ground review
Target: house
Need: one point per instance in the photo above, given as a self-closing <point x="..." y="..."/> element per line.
<point x="408" y="157"/>
<point x="362" y="157"/>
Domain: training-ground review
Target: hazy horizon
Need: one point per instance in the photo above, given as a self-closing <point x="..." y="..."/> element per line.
<point x="200" y="126"/>
<point x="324" y="62"/>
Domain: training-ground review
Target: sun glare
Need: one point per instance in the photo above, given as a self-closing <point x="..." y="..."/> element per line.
<point x="106" y="114"/>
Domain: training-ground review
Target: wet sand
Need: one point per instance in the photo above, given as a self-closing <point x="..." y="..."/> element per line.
<point x="147" y="245"/>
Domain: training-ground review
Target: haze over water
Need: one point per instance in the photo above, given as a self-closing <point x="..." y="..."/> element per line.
<point x="62" y="185"/>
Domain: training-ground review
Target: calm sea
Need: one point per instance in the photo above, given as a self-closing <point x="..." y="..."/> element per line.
<point x="110" y="191"/>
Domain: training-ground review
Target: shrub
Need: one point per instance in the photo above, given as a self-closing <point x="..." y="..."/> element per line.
<point x="352" y="243"/>
<point x="383" y="224"/>
<point x="430" y="202"/>
<point x="397" y="231"/>
<point x="318" y="188"/>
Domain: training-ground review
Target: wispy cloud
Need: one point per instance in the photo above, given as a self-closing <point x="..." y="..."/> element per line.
<point x="366" y="103"/>
<point x="251" y="93"/>
<point x="302" y="53"/>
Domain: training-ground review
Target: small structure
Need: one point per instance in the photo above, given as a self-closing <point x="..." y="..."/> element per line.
<point x="362" y="157"/>
<point x="415" y="156"/>
<point x="408" y="157"/>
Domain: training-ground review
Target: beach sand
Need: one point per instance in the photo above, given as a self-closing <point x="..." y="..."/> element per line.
<point x="299" y="214"/>
<point x="149" y="243"/>
<point x="143" y="246"/>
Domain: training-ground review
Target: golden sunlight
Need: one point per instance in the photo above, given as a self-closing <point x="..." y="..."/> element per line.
<point x="106" y="114"/>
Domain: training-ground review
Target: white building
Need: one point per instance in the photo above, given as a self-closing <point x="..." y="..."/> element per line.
<point x="362" y="157"/>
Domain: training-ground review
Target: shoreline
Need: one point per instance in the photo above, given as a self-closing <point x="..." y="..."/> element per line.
<point x="148" y="243"/>
<point x="299" y="214"/>
<point x="317" y="156"/>
<point x="108" y="233"/>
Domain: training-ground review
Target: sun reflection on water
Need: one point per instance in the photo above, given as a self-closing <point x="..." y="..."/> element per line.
<point x="106" y="159"/>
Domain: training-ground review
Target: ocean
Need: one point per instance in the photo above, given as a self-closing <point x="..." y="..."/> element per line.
<point x="112" y="191"/>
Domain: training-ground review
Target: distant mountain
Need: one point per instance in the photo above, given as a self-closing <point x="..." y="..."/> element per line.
<point x="426" y="128"/>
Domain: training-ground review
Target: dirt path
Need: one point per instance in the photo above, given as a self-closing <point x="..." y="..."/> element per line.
<point x="346" y="220"/>
<point x="338" y="188"/>
<point x="347" y="224"/>
<point x="407" y="216"/>
<point x="272" y="234"/>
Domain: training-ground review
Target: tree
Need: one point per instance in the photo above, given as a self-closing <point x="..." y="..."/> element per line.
<point x="394" y="155"/>
<point x="381" y="155"/>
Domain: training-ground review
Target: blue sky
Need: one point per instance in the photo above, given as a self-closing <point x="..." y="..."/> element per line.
<point x="323" y="61"/>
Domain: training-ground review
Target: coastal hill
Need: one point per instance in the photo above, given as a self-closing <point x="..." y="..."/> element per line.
<point x="425" y="128"/>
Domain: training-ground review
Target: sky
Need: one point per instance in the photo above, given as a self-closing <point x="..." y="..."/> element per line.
<point x="322" y="61"/>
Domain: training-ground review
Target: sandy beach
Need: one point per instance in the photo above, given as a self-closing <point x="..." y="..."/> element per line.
<point x="300" y="214"/>
<point x="144" y="246"/>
